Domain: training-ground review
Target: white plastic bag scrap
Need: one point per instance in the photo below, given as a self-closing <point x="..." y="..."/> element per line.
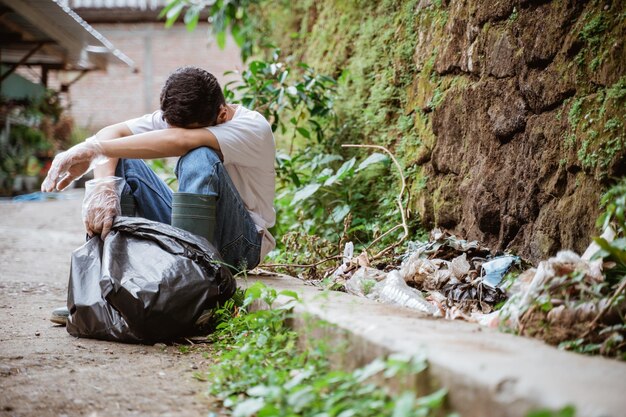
<point x="363" y="280"/>
<point x="417" y="269"/>
<point x="393" y="290"/>
<point x="608" y="234"/>
<point x="487" y="320"/>
<point x="348" y="253"/>
<point x="529" y="285"/>
<point x="460" y="266"/>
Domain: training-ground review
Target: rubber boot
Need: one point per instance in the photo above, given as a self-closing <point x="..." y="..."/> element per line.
<point x="127" y="204"/>
<point x="194" y="213"/>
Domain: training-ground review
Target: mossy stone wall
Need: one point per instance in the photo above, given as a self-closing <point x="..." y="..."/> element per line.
<point x="508" y="115"/>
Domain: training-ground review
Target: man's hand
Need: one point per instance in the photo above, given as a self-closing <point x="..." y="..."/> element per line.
<point x="101" y="204"/>
<point x="72" y="164"/>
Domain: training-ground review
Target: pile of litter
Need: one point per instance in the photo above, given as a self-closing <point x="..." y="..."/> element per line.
<point x="460" y="278"/>
<point x="566" y="300"/>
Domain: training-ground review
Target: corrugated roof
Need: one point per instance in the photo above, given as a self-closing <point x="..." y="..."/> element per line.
<point x="116" y="4"/>
<point x="65" y="39"/>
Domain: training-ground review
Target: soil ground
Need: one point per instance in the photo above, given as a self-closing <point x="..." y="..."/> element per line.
<point x="46" y="372"/>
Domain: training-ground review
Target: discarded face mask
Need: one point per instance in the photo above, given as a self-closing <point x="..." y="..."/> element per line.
<point x="495" y="269"/>
<point x="146" y="282"/>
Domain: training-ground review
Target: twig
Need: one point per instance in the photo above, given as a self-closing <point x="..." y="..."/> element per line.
<point x="398" y="200"/>
<point x="301" y="266"/>
<point x="605" y="309"/>
<point x="393" y="229"/>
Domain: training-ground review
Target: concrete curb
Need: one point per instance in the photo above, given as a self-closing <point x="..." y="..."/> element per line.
<point x="487" y="373"/>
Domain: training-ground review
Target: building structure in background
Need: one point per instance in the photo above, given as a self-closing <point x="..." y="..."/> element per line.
<point x="102" y="98"/>
<point x="47" y="36"/>
<point x="45" y="47"/>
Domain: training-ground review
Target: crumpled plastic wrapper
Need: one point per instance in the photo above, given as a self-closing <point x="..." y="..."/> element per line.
<point x="363" y="280"/>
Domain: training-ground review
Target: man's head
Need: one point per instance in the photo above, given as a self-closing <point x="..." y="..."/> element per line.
<point x="191" y="97"/>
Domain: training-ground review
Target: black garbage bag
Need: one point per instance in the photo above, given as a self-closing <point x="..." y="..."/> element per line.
<point x="146" y="282"/>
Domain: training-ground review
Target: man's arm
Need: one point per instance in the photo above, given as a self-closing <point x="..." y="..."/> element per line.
<point x="159" y="143"/>
<point x="76" y="161"/>
<point x="115" y="131"/>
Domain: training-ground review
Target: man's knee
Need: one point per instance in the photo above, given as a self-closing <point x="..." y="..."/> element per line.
<point x="196" y="161"/>
<point x="199" y="171"/>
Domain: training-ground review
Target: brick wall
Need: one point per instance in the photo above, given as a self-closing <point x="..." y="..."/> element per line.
<point x="102" y="98"/>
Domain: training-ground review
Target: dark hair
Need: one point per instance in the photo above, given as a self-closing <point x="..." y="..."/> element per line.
<point x="191" y="96"/>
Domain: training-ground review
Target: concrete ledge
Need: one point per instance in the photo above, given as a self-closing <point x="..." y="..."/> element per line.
<point x="487" y="373"/>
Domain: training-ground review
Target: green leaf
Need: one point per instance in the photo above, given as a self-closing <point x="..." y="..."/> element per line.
<point x="254" y="292"/>
<point x="283" y="76"/>
<point x="434" y="400"/>
<point x="371" y="369"/>
<point x="269" y="410"/>
<point x="329" y="158"/>
<point x="404" y="405"/>
<point x="238" y="34"/>
<point x="339" y="213"/>
<point x="289" y="293"/>
<point x="167" y="8"/>
<point x="221" y="39"/>
<point x="256" y="66"/>
<point x="298" y="379"/>
<point x="619" y="255"/>
<point x="248" y="407"/>
<point x="191" y="18"/>
<point x="305" y="193"/>
<point x="259" y="391"/>
<point x="304" y="132"/>
<point x="372" y="159"/>
<point x="345" y="169"/>
<point x="301" y="398"/>
<point x="173" y="13"/>
<point x="568" y="411"/>
<point x="325" y="174"/>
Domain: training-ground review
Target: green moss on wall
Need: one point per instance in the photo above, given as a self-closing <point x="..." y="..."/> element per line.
<point x="402" y="62"/>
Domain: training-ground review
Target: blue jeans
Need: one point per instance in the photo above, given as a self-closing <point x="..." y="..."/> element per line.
<point x="199" y="172"/>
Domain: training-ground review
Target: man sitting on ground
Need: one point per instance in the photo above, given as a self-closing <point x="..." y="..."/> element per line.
<point x="226" y="166"/>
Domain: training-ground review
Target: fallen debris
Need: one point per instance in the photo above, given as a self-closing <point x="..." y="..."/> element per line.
<point x="568" y="301"/>
<point x="458" y="278"/>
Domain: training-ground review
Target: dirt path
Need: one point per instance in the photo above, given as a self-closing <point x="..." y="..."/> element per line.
<point x="46" y="372"/>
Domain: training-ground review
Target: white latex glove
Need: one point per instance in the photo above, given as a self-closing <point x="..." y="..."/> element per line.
<point x="73" y="164"/>
<point x="101" y="204"/>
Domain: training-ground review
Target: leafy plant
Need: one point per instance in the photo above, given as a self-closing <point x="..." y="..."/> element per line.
<point x="269" y="87"/>
<point x="258" y="370"/>
<point x="225" y="16"/>
<point x="324" y="197"/>
<point x="19" y="147"/>
<point x="614" y="203"/>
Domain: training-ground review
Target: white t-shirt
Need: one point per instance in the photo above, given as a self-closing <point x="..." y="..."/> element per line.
<point x="247" y="145"/>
